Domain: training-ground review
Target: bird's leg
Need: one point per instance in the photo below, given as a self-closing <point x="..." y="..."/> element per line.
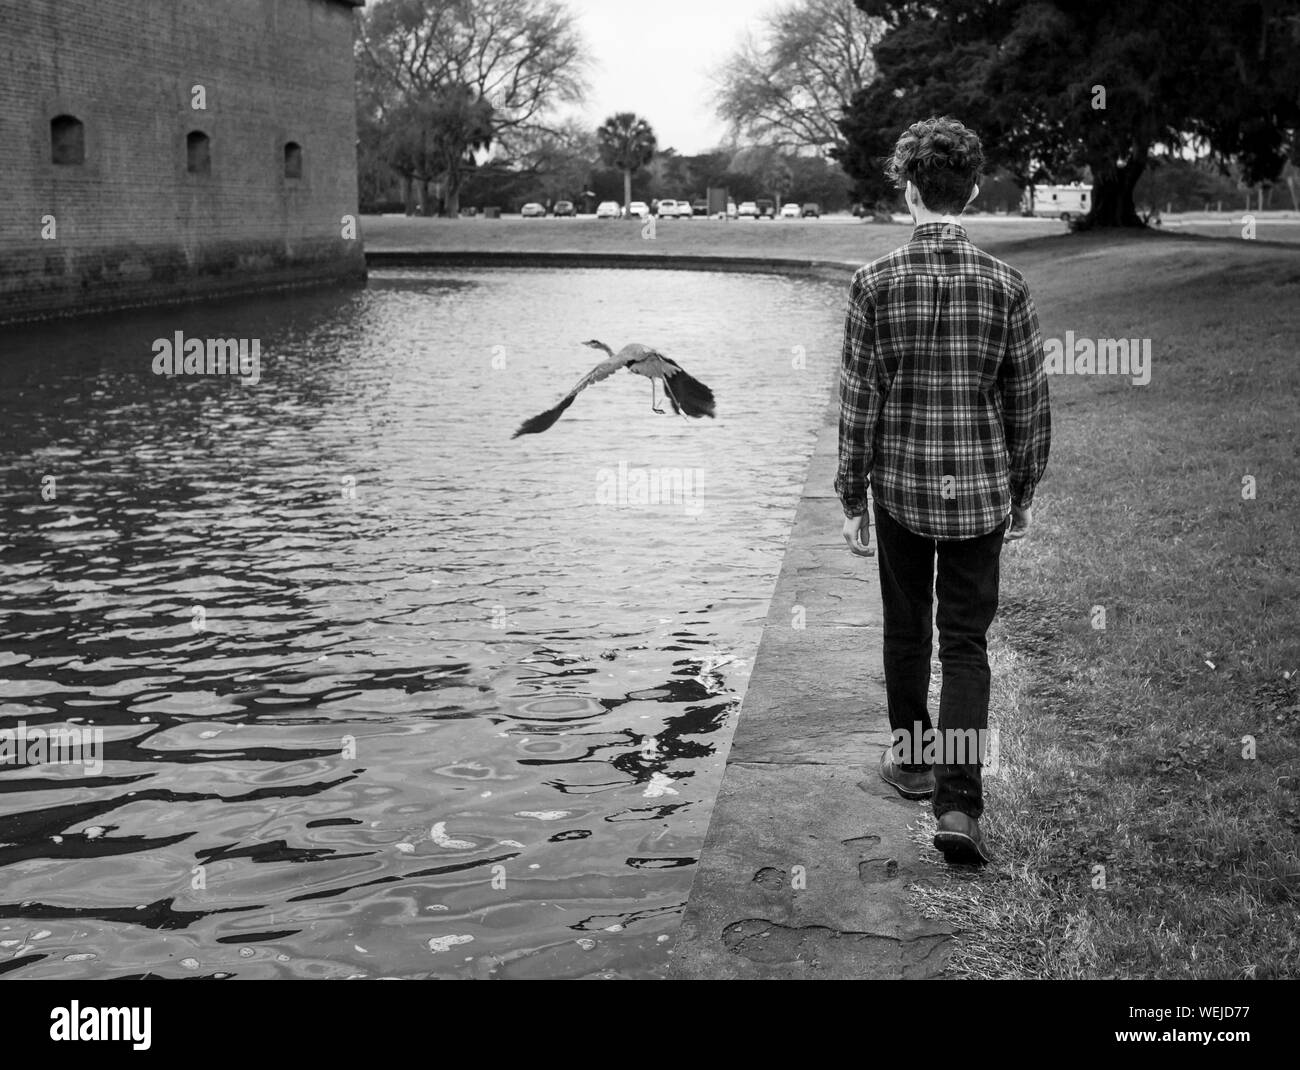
<point x="653" y="404"/>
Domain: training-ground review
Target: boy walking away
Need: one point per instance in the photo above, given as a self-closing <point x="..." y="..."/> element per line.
<point x="944" y="414"/>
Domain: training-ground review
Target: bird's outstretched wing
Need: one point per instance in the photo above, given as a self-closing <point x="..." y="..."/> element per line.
<point x="535" y="425"/>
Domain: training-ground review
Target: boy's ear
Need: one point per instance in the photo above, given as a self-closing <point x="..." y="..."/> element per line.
<point x="975" y="192"/>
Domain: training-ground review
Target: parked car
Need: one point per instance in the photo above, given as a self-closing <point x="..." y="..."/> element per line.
<point x="700" y="208"/>
<point x="684" y="210"/>
<point x="813" y="210"/>
<point x="667" y="209"/>
<point x="564" y="208"/>
<point x="766" y="209"/>
<point x="747" y="210"/>
<point x="608" y="210"/>
<point x="790" y="210"/>
<point x="532" y="210"/>
<point x="639" y="209"/>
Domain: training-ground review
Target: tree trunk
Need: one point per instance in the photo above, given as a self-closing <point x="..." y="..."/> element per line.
<point x="451" y="184"/>
<point x="1290" y="185"/>
<point x="627" y="191"/>
<point x="1112" y="192"/>
<point x="408" y="194"/>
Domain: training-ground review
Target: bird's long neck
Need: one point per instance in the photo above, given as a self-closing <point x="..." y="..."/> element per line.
<point x="602" y="345"/>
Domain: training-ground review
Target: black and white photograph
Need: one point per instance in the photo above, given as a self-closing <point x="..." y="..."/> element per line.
<point x="547" y="490"/>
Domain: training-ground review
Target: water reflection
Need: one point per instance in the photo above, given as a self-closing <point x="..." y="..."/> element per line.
<point x="383" y="692"/>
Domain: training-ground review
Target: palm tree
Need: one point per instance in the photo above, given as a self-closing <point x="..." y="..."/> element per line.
<point x="628" y="143"/>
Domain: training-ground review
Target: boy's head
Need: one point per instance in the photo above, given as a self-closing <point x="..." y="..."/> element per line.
<point x="942" y="159"/>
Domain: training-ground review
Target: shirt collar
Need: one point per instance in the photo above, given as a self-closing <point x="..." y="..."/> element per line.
<point x="945" y="231"/>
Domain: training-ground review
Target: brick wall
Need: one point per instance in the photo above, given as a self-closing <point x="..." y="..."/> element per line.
<point x="131" y="224"/>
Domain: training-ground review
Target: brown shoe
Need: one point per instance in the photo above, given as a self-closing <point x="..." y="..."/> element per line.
<point x="919" y="785"/>
<point x="960" y="840"/>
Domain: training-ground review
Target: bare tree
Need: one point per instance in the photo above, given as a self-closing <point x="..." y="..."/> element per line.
<point x="791" y="84"/>
<point x="459" y="63"/>
<point x="768" y="164"/>
<point x="562" y="161"/>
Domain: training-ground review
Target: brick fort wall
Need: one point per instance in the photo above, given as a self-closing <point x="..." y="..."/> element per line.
<point x="141" y="218"/>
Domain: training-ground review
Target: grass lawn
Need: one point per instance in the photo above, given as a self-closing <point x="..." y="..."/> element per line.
<point x="1134" y="839"/>
<point x="828" y="240"/>
<point x="1146" y="811"/>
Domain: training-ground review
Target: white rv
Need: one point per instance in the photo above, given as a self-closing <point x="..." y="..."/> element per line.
<point x="1057" y="202"/>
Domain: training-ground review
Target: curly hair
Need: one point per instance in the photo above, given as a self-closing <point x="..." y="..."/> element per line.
<point x="942" y="158"/>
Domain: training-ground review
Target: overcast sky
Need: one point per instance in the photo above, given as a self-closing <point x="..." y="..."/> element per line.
<point x="655" y="60"/>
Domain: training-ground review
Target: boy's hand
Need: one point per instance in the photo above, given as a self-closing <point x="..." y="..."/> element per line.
<point x="857" y="533"/>
<point x="1020" y="521"/>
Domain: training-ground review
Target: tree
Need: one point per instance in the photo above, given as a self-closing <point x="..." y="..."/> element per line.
<point x="446" y="78"/>
<point x="376" y="179"/>
<point x="791" y="85"/>
<point x="626" y="142"/>
<point x="1291" y="174"/>
<point x="1182" y="186"/>
<point x="768" y="165"/>
<point x="931" y="60"/>
<point x="563" y="162"/>
<point x="1057" y="86"/>
<point x="431" y="141"/>
<point x="819" y="180"/>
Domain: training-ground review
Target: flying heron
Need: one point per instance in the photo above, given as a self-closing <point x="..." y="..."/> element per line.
<point x="687" y="395"/>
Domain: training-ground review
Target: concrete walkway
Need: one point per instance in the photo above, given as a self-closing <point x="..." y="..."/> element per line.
<point x="808" y="854"/>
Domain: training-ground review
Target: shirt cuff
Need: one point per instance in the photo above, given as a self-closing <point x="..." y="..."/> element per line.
<point x="1023" y="497"/>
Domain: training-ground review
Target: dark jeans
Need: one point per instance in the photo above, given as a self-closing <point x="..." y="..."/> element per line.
<point x="968" y="600"/>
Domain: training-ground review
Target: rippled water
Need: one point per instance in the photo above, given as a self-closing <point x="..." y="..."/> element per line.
<point x="382" y="691"/>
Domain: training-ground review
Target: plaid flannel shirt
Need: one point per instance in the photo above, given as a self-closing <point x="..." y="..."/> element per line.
<point x="943" y="393"/>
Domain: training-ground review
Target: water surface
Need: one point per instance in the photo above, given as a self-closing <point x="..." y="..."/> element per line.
<point x="383" y="691"/>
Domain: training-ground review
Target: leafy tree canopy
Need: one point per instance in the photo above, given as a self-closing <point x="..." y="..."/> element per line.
<point x="1053" y="86"/>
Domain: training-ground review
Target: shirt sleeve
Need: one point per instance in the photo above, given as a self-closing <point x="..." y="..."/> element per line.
<point x="1026" y="414"/>
<point x="860" y="399"/>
